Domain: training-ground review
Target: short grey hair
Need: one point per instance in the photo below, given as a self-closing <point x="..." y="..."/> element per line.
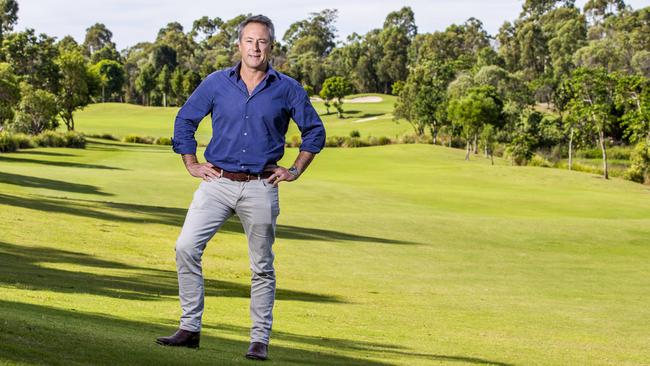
<point x="257" y="19"/>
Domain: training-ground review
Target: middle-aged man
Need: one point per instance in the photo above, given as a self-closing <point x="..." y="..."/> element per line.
<point x="251" y="105"/>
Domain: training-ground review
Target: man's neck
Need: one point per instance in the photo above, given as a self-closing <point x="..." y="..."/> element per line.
<point x="248" y="73"/>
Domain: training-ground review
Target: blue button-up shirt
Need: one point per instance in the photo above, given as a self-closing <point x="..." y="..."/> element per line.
<point x="248" y="131"/>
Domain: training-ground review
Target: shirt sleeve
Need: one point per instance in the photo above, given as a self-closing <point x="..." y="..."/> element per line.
<point x="198" y="105"/>
<point x="309" y="123"/>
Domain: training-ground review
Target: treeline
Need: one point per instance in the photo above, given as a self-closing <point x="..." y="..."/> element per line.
<point x="555" y="79"/>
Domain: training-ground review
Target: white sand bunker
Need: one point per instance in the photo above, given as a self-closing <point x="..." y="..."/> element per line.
<point x="369" y="99"/>
<point x="365" y="119"/>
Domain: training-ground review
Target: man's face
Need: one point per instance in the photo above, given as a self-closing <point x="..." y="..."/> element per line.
<point x="255" y="46"/>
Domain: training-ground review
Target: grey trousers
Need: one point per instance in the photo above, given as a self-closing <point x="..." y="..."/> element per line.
<point x="256" y="204"/>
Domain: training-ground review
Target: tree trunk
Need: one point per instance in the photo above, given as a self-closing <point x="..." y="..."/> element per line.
<point x="475" y="143"/>
<point x="485" y="151"/>
<point x="468" y="150"/>
<point x="571" y="149"/>
<point x="165" y="100"/>
<point x="103" y="94"/>
<point x="492" y="157"/>
<point x="601" y="135"/>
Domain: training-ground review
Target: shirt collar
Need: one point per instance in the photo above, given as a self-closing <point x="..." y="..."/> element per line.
<point x="234" y="71"/>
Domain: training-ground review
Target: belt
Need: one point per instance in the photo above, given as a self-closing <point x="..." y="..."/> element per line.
<point x="242" y="177"/>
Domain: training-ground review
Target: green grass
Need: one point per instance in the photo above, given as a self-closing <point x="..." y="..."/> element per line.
<point x="401" y="254"/>
<point x="122" y="119"/>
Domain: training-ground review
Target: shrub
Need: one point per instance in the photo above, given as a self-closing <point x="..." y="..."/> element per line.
<point x="540" y="161"/>
<point x="50" y="139"/>
<point x="383" y="140"/>
<point x="75" y="140"/>
<point x="334" y="141"/>
<point x="163" y="141"/>
<point x="105" y="136"/>
<point x="24" y="141"/>
<point x="355" y="133"/>
<point x="135" y="139"/>
<point x="7" y="142"/>
<point x="294" y="141"/>
<point x="639" y="170"/>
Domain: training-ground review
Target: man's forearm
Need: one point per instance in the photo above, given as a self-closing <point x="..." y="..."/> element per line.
<point x="303" y="160"/>
<point x="189" y="159"/>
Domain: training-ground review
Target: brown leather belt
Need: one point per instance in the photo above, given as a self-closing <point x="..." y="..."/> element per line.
<point x="242" y="177"/>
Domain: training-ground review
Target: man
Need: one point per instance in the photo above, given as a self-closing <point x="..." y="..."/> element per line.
<point x="251" y="105"/>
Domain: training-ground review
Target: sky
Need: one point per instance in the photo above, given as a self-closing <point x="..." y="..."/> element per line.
<point x="133" y="21"/>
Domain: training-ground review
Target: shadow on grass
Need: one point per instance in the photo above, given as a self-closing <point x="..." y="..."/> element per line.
<point x="174" y="216"/>
<point x="46" y="335"/>
<point x="34" y="268"/>
<point x="58" y="185"/>
<point x="56" y="163"/>
<point x="356" y="346"/>
<point x="46" y="153"/>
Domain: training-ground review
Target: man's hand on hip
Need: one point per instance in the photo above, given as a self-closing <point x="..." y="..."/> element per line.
<point x="204" y="171"/>
<point x="281" y="174"/>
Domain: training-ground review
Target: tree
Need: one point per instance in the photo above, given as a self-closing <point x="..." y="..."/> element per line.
<point x="422" y="98"/>
<point x="319" y="26"/>
<point x="112" y="77"/>
<point x="77" y="85"/>
<point x="36" y="111"/>
<point x="480" y="106"/>
<point x="146" y="82"/>
<point x="9" y="93"/>
<point x="335" y="88"/>
<point x="633" y="97"/>
<point x="8" y="17"/>
<point x="163" y="55"/>
<point x="399" y="30"/>
<point x="190" y="81"/>
<point x="97" y="37"/>
<point x="33" y="58"/>
<point x="177" y="87"/>
<point x="593" y="102"/>
<point x="163" y="82"/>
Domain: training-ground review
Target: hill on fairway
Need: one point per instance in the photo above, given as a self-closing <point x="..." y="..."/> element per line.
<point x="401" y="254"/>
<point x="121" y="119"/>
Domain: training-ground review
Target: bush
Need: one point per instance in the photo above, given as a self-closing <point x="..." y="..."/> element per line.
<point x="355" y="133"/>
<point x="105" y="136"/>
<point x="163" y="141"/>
<point x="75" y="140"/>
<point x="354" y="142"/>
<point x="614" y="152"/>
<point x="50" y="139"/>
<point x="639" y="170"/>
<point x="383" y="140"/>
<point x="7" y="142"/>
<point x="24" y="141"/>
<point x="540" y="161"/>
<point x="294" y="141"/>
<point x="135" y="139"/>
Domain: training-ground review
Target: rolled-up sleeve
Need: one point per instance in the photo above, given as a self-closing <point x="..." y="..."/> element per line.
<point x="198" y="105"/>
<point x="309" y="123"/>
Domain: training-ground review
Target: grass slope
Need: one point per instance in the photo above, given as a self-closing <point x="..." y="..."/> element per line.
<point x="401" y="254"/>
<point x="121" y="119"/>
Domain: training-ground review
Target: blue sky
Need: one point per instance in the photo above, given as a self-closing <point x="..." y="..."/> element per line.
<point x="133" y="21"/>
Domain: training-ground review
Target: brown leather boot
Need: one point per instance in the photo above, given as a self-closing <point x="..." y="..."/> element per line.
<point x="182" y="338"/>
<point x="257" y="351"/>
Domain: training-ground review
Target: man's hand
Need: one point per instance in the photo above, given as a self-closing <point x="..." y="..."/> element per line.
<point x="280" y="174"/>
<point x="204" y="171"/>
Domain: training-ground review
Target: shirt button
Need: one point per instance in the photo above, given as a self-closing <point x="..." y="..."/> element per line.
<point x="244" y="150"/>
<point x="246" y="117"/>
<point x="245" y="133"/>
<point x="242" y="167"/>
